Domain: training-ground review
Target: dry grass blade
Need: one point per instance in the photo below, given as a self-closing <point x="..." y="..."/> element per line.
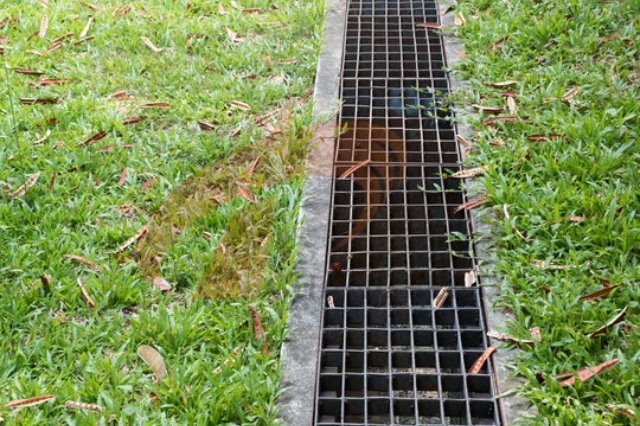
<point x="470" y="204"/>
<point x="353" y="169"/>
<point x="161" y="284"/>
<point x="81" y="260"/>
<point x="441" y="298"/>
<point x="586" y="373"/>
<point x="94" y="138"/>
<point x="597" y="294"/>
<point x="479" y="363"/>
<point x="29" y="402"/>
<point x="43" y="138"/>
<point x="511" y="103"/>
<point x="44" y="25"/>
<point x="82" y="406"/>
<point x="462" y="141"/>
<point x="141" y="233"/>
<point x="542" y="137"/>
<point x="469" y="279"/>
<point x="429" y="25"/>
<point x="502" y="83"/>
<point x="510" y="339"/>
<point x="569" y="94"/>
<point x="240" y="105"/>
<point x="468" y="173"/>
<point x="155" y="105"/>
<point x="459" y="19"/>
<point x="153" y="358"/>
<point x="85" y="295"/>
<point x="613" y="321"/>
<point x="150" y="45"/>
<point x="87" y="27"/>
<point x="490" y="110"/>
<point x="84" y="40"/>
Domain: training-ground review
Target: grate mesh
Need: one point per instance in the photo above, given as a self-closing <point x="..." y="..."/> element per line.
<point x="388" y="356"/>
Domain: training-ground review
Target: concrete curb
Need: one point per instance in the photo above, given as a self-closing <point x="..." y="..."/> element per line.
<point x="300" y="351"/>
<point x="513" y="408"/>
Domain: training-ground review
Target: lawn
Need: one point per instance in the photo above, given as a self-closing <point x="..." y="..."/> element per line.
<point x="563" y="194"/>
<point x="151" y="163"/>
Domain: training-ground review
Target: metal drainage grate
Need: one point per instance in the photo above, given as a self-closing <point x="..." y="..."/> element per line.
<point x="388" y="356"/>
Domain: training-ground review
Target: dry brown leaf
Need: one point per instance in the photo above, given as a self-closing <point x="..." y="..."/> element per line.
<point x="142" y="232"/>
<point x="82" y="261"/>
<point x="44" y="25"/>
<point x="252" y="166"/>
<point x="148" y="183"/>
<point x="502" y="83"/>
<point x="234" y="37"/>
<point x="240" y="105"/>
<point x="85" y="295"/>
<point x="261" y="120"/>
<point x="83" y="406"/>
<point x="30" y="402"/>
<point x="32" y="180"/>
<point x="87" y="27"/>
<point x="90" y="6"/>
<point x="43" y="138"/>
<point x="441" y="298"/>
<point x="459" y="19"/>
<point x="353" y="169"/>
<point x="153" y="358"/>
<point x="544" y="265"/>
<point x="499" y="43"/>
<point x="613" y="321"/>
<point x="470" y="204"/>
<point x="64" y="37"/>
<point x="576" y="219"/>
<point x="468" y="173"/>
<point x="491" y="110"/>
<point x="94" y="138"/>
<point x="477" y="365"/>
<point x="586" y="373"/>
<point x="40" y="101"/>
<point x="133" y="120"/>
<point x="150" y="45"/>
<point x="155" y="105"/>
<point x="569" y="94"/>
<point x="330" y="302"/>
<point x="55" y="46"/>
<point x="221" y="10"/>
<point x="510" y="339"/>
<point x="597" y="294"/>
<point x="45" y="282"/>
<point x="252" y="11"/>
<point x="49" y="82"/>
<point x="206" y="127"/>
<point x="52" y="181"/>
<point x="246" y="194"/>
<point x="28" y="71"/>
<point x="121" y="11"/>
<point x="543" y="138"/>
<point x="84" y="40"/>
<point x="462" y="141"/>
<point x="460" y="54"/>
<point x="429" y="25"/>
<point x="502" y="119"/>
<point x="511" y="103"/>
<point x="622" y="410"/>
<point x="161" y="284"/>
<point x="258" y="330"/>
<point x="535" y="333"/>
<point x="469" y="279"/>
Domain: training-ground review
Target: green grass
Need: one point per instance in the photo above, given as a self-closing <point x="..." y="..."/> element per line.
<point x="592" y="172"/>
<point x="217" y="371"/>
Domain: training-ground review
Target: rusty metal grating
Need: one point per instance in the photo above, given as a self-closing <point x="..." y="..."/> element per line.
<point x="388" y="355"/>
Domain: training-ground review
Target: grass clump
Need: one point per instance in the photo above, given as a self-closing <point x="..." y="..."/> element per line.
<point x="567" y="172"/>
<point x="130" y="126"/>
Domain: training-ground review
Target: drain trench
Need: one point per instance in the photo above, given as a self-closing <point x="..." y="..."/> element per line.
<point x="388" y="355"/>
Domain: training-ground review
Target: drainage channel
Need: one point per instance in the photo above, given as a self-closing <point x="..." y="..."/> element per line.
<point x="389" y="353"/>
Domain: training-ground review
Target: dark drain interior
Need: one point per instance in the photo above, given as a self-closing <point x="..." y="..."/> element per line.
<point x="388" y="355"/>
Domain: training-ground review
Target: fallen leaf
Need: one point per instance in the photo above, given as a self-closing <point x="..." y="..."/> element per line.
<point x="429" y="25"/>
<point x="44" y="24"/>
<point x="336" y="266"/>
<point x="234" y="4"/>
<point x="141" y="233"/>
<point x="155" y="105"/>
<point x="613" y="321"/>
<point x="123" y="177"/>
<point x="353" y="169"/>
<point x="28" y="71"/>
<point x="29" y="402"/>
<point x="246" y="194"/>
<point x="287" y="61"/>
<point x="586" y="373"/>
<point x="40" y="101"/>
<point x="330" y="302"/>
<point x="261" y="120"/>
<point x="441" y="298"/>
<point x="90" y="6"/>
<point x="459" y="19"/>
<point x="502" y="119"/>
<point x="44" y="3"/>
<point x="234" y="37"/>
<point x="462" y="141"/>
<point x="207" y="236"/>
<point x="94" y="138"/>
<point x="55" y="46"/>
<point x="206" y="127"/>
<point x="252" y="11"/>
<point x="508" y="94"/>
<point x="470" y="204"/>
<point x="460" y="54"/>
<point x="252" y="166"/>
<point x="622" y="410"/>
<point x="153" y="358"/>
<point x="45" y="282"/>
<point x="469" y="279"/>
<point x="468" y="173"/>
<point x="535" y="333"/>
<point x="148" y="183"/>
<point x="569" y="94"/>
<point x="87" y="27"/>
<point x="477" y="365"/>
<point x="221" y="10"/>
<point x="83" y="406"/>
<point x="150" y="45"/>
<point x="81" y="260"/>
<point x="121" y="11"/>
<point x="49" y="82"/>
<point x="240" y="105"/>
<point x="502" y="83"/>
<point x="43" y="138"/>
<point x="133" y="120"/>
<point x="576" y="219"/>
<point x="543" y="138"/>
<point x="84" y="40"/>
<point x="120" y="95"/>
<point x="85" y="295"/>
<point x="510" y="339"/>
<point x="511" y="103"/>
<point x="491" y="110"/>
<point x="52" y="181"/>
<point x="161" y="284"/>
<point x="258" y="330"/>
<point x="597" y="294"/>
<point x="499" y="43"/>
